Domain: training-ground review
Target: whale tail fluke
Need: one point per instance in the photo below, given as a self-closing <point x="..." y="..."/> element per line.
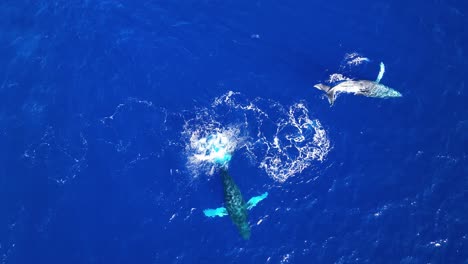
<point x="328" y="90"/>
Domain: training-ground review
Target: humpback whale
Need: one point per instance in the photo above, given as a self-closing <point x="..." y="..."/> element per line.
<point x="360" y="87"/>
<point x="235" y="206"/>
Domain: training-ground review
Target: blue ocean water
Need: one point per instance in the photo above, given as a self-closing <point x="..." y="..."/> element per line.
<point x="104" y="106"/>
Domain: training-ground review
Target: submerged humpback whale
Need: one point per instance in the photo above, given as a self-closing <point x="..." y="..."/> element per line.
<point x="235" y="204"/>
<point x="361" y="87"/>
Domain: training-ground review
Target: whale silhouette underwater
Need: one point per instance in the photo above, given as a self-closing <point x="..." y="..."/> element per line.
<point x="235" y="206"/>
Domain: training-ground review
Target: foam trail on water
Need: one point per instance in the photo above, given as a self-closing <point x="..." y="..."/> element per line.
<point x="337" y="77"/>
<point x="282" y="141"/>
<point x="299" y="140"/>
<point x="353" y="59"/>
<point x="350" y="62"/>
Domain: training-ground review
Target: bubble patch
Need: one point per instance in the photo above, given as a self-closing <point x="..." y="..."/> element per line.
<point x="282" y="141"/>
<point x="354" y="59"/>
<point x="337" y="77"/>
<point x="210" y="145"/>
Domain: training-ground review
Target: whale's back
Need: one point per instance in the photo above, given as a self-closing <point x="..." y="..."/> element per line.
<point x="235" y="205"/>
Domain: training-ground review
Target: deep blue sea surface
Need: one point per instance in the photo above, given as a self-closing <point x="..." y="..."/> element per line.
<point x="107" y="107"/>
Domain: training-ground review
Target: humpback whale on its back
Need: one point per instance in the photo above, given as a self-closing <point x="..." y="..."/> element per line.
<point x="362" y="87"/>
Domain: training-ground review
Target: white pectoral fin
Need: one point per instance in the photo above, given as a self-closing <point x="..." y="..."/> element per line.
<point x="255" y="200"/>
<point x="221" y="211"/>
<point x="381" y="72"/>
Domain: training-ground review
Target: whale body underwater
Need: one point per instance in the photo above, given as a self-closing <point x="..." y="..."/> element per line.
<point x="234" y="205"/>
<point x="360" y="87"/>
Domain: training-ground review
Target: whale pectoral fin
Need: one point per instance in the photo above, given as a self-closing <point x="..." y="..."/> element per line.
<point x="255" y="200"/>
<point x="221" y="211"/>
<point x="381" y="72"/>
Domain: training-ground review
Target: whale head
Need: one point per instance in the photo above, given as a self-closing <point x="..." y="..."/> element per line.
<point x="382" y="91"/>
<point x="395" y="93"/>
<point x="392" y="93"/>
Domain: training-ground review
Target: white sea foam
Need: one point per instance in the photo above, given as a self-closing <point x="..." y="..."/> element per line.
<point x="299" y="140"/>
<point x="210" y="145"/>
<point x="353" y="59"/>
<point x="283" y="141"/>
<point x="337" y="77"/>
<point x="349" y="63"/>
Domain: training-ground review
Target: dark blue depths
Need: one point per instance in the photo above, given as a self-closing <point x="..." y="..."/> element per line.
<point x="87" y="174"/>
